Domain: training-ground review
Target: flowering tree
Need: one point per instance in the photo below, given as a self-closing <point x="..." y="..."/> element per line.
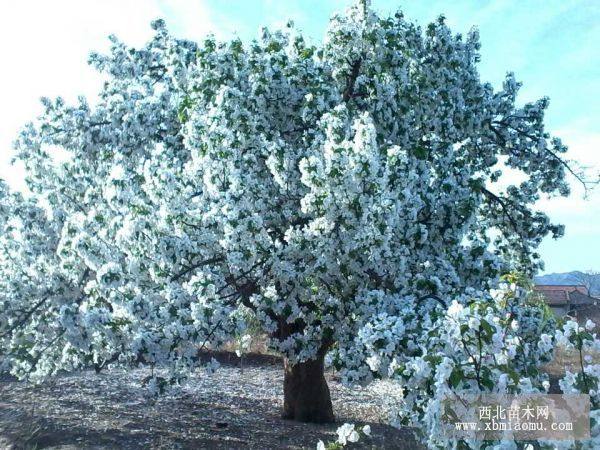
<point x="478" y="346"/>
<point x="327" y="190"/>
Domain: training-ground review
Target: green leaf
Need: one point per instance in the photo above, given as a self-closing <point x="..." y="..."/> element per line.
<point x="456" y="377"/>
<point x="420" y="153"/>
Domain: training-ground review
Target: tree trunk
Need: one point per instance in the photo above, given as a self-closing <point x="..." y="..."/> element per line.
<point x="306" y="394"/>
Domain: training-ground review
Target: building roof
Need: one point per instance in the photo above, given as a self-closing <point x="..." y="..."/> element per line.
<point x="577" y="298"/>
<point x="562" y="287"/>
<point x="566" y="294"/>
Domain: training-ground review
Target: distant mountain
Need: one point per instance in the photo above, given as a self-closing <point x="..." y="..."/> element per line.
<point x="590" y="280"/>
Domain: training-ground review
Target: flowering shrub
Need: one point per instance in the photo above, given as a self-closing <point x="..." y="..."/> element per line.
<point x="496" y="344"/>
<point x="580" y="339"/>
<point x="347" y="433"/>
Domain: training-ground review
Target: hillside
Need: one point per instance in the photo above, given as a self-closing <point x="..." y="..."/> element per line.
<point x="589" y="279"/>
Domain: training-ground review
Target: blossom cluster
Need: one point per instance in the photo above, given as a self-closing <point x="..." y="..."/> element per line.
<point x="347" y="434"/>
<point x="498" y="344"/>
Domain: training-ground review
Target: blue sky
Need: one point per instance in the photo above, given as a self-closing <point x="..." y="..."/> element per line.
<point x="551" y="45"/>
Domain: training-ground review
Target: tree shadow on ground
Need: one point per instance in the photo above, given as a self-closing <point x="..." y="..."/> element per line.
<point x="229" y="411"/>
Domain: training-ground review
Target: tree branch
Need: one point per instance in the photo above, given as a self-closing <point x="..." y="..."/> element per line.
<point x="578" y="176"/>
<point x="196" y="266"/>
<point x="433" y="297"/>
<point x="504" y="206"/>
<point x="351" y="79"/>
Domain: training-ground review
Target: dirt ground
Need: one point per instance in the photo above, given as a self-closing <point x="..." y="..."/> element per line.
<point x="225" y="410"/>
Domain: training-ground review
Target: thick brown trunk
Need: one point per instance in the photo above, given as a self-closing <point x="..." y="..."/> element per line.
<point x="306" y="394"/>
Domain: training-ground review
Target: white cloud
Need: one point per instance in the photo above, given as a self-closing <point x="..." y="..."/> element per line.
<point x="193" y="19"/>
<point x="45" y="47"/>
<point x="584" y="148"/>
<point x="579" y="248"/>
